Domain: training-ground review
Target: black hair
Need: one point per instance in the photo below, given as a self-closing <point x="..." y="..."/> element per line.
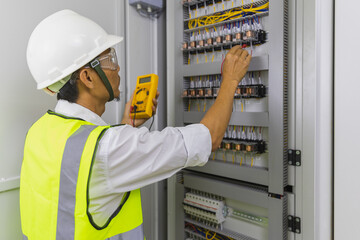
<point x="70" y="91"/>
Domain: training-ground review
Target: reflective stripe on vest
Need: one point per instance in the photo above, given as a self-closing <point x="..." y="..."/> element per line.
<point x="68" y="179"/>
<point x="136" y="233"/>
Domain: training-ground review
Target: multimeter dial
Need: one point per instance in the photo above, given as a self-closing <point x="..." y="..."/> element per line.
<point x="141" y="95"/>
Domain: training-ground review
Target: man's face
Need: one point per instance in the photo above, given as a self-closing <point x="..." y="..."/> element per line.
<point x="113" y="77"/>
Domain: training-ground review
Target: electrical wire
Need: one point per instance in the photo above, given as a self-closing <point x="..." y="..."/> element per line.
<point x="231" y="14"/>
<point x="151" y="122"/>
<point x="206" y="232"/>
<point x="222" y="66"/>
<point x="132" y="122"/>
<point x="210" y="238"/>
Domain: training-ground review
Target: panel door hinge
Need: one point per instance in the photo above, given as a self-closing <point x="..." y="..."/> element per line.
<point x="294" y="157"/>
<point x="294" y="224"/>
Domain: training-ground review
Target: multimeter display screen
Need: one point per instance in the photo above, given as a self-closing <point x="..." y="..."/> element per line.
<point x="145" y="80"/>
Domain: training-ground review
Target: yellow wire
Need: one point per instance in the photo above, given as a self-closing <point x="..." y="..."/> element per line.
<point x="252" y="161"/>
<point x="207" y="232"/>
<point x="213" y="156"/>
<point x="241" y="160"/>
<point x="204" y="106"/>
<point x="224" y="156"/>
<point x="233" y="158"/>
<point x="189" y="105"/>
<point x="228" y="15"/>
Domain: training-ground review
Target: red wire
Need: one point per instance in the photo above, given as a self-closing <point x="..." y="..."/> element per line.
<point x="132" y="123"/>
<point x="189" y="224"/>
<point x="222" y="66"/>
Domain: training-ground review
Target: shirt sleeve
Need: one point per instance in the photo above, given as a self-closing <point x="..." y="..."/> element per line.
<point x="136" y="157"/>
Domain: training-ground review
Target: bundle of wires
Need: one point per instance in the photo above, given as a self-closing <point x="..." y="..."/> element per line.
<point x="209" y="235"/>
<point x="231" y="14"/>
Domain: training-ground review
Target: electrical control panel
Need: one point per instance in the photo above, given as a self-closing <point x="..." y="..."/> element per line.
<point x="253" y="152"/>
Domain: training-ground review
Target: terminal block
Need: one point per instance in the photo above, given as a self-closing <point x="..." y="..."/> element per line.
<point x="208" y="209"/>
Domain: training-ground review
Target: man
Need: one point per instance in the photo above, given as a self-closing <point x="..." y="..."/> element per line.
<point x="80" y="177"/>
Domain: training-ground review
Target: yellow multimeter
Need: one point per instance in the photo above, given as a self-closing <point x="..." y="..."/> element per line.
<point x="145" y="92"/>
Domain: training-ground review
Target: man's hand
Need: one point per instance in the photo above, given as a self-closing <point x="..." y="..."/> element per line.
<point x="234" y="69"/>
<point x="235" y="65"/>
<point x="138" y="122"/>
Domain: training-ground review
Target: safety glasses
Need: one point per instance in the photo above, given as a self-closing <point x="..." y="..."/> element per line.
<point x="108" y="61"/>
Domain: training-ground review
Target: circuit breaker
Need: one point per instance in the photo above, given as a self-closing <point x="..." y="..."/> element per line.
<point x="252" y="158"/>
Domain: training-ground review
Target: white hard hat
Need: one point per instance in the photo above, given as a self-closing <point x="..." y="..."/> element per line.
<point x="61" y="44"/>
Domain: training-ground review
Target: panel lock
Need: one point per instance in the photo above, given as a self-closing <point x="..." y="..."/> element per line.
<point x="294" y="224"/>
<point x="294" y="157"/>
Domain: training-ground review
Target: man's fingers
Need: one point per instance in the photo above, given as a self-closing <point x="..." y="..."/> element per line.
<point x="155" y="102"/>
<point x="234" y="50"/>
<point x="248" y="59"/>
<point x="238" y="51"/>
<point x="244" y="54"/>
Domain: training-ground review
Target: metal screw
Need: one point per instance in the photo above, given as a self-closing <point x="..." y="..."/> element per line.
<point x="290" y="162"/>
<point x="298" y="152"/>
<point x="297" y="164"/>
<point x="297" y="219"/>
<point x="290" y="151"/>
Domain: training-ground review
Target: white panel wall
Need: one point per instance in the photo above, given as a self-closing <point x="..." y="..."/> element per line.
<point x="347" y="120"/>
<point x="314" y="118"/>
<point x="21" y="104"/>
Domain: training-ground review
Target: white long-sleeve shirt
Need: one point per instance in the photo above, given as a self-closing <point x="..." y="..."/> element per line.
<point x="129" y="158"/>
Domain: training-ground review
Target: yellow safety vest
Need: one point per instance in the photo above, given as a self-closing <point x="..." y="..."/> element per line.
<point x="54" y="186"/>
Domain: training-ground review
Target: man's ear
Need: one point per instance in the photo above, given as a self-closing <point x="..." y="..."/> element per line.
<point x="86" y="77"/>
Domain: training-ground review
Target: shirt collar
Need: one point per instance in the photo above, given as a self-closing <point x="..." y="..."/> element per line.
<point x="75" y="110"/>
